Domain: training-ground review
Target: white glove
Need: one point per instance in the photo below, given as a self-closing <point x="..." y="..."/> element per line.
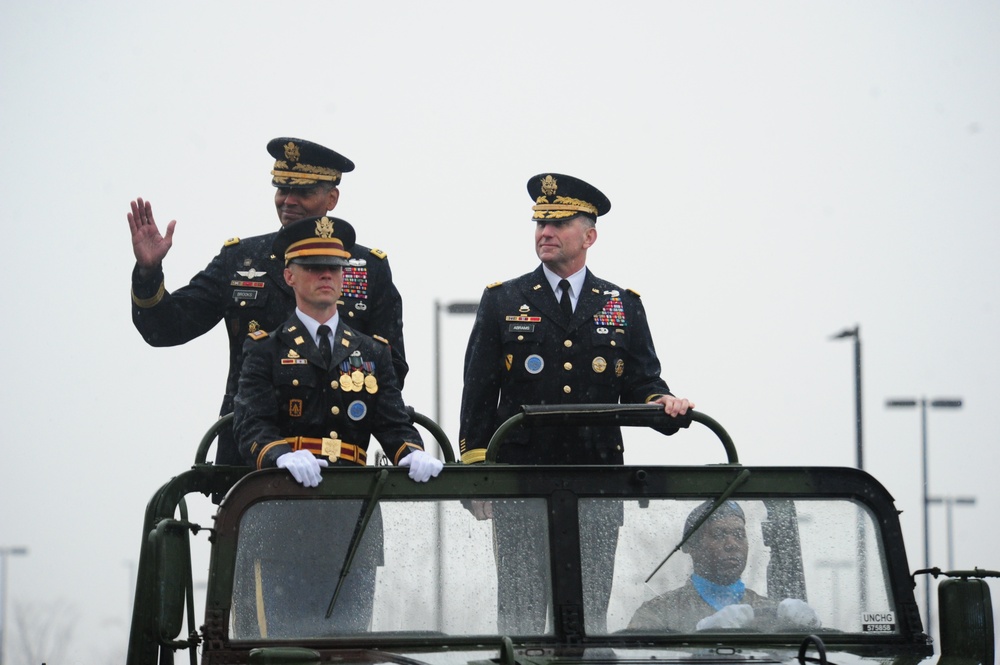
<point x="731" y="616"/>
<point x="423" y="466"/>
<point x="795" y="612"/>
<point x="304" y="467"/>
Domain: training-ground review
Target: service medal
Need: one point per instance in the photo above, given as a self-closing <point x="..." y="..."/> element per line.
<point x="371" y="384"/>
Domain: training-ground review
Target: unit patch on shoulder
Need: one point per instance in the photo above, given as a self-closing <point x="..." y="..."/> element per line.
<point x="378" y="253"/>
<point x="634" y="292"/>
<point x="380" y="339"/>
<point x="231" y="242"/>
<point x="257" y="335"/>
<point x="494" y="285"/>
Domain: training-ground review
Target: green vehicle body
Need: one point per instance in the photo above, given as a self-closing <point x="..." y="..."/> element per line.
<point x="829" y="535"/>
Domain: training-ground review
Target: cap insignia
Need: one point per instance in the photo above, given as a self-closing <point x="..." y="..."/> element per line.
<point x="291" y="152"/>
<point x="549" y="185"/>
<point x="324" y="227"/>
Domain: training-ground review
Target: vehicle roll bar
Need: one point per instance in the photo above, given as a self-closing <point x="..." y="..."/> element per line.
<point x="619" y="415"/>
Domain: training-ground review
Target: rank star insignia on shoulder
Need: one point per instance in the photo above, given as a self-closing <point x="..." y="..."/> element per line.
<point x="380" y="339"/>
<point x="493" y="285"/>
<point x="634" y="292"/>
<point x="378" y="253"/>
<point x="232" y="241"/>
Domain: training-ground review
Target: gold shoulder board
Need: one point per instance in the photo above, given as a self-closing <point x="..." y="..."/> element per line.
<point x="494" y="285"/>
<point x="231" y="242"/>
<point x="380" y="338"/>
<point x="634" y="292"/>
<point x="379" y="253"/>
<point x="257" y="335"/>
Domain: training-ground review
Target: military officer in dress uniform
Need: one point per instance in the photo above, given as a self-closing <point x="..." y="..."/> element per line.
<point x="316" y="390"/>
<point x="244" y="283"/>
<point x="312" y="394"/>
<point x="558" y="335"/>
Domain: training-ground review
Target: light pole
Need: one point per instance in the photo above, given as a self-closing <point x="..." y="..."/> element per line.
<point x="953" y="403"/>
<point x="4" y="553"/>
<point x="855" y="332"/>
<point x="948" y="502"/>
<point x="450" y="308"/>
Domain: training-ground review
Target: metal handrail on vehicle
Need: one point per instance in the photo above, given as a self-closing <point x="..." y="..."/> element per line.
<point x="417" y="418"/>
<point x="618" y="415"/>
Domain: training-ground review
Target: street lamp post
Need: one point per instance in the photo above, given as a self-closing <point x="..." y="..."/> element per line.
<point x="948" y="502"/>
<point x="936" y="404"/>
<point x="855" y="332"/>
<point x="4" y="553"/>
<point x="450" y="308"/>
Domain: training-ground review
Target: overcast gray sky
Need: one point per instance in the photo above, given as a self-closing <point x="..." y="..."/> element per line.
<point x="778" y="171"/>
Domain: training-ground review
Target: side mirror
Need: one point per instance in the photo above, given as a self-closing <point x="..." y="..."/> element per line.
<point x="172" y="573"/>
<point x="966" y="623"/>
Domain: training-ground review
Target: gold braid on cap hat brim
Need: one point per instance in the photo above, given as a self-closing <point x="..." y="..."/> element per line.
<point x="316" y="247"/>
<point x="303" y="174"/>
<point x="561" y="207"/>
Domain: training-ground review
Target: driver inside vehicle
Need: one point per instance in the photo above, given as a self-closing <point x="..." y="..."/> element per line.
<point x="714" y="596"/>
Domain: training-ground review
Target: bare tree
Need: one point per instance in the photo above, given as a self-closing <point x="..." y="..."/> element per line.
<point x="44" y="632"/>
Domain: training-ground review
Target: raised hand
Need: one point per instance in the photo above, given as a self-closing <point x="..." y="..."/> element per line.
<point x="148" y="245"/>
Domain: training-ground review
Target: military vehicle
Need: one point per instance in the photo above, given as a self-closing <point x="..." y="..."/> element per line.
<point x="282" y="584"/>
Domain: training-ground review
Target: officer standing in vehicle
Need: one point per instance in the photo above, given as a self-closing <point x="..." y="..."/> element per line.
<point x="312" y="394"/>
<point x="316" y="390"/>
<point x="244" y="284"/>
<point x="557" y="335"/>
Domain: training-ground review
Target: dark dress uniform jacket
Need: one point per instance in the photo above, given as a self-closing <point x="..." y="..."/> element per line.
<point x="245" y="285"/>
<point x="286" y="389"/>
<point x="524" y="350"/>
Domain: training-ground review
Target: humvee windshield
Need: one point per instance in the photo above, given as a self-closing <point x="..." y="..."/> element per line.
<point x="430" y="566"/>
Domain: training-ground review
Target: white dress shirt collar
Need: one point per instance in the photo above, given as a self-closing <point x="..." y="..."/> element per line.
<point x="575" y="283"/>
<point x="312" y="325"/>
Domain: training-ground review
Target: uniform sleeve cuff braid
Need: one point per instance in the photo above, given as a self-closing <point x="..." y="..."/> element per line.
<point x="146" y="303"/>
<point x="263" y="451"/>
<point x="407" y="448"/>
<point x="474" y="456"/>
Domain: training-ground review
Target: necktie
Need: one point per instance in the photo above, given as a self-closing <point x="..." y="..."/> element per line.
<point x="324" y="343"/>
<point x="564" y="301"/>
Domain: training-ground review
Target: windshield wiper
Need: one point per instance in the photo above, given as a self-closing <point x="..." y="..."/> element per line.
<point x="726" y="493"/>
<point x="367" y="508"/>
